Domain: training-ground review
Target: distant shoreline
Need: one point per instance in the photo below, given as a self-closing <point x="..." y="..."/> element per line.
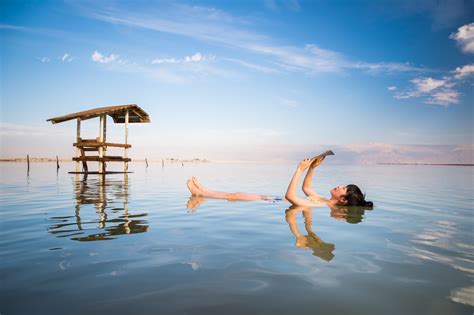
<point x="433" y="164"/>
<point x="197" y="160"/>
<point x="50" y="160"/>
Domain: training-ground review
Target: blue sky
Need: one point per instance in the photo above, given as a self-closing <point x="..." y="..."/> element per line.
<point x="230" y="79"/>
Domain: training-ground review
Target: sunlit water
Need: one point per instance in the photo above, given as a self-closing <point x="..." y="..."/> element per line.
<point x="130" y="245"/>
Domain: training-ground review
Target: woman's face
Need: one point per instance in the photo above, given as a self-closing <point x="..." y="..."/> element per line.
<point x="338" y="193"/>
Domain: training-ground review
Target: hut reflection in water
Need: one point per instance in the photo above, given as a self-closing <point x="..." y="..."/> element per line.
<point x="101" y="211"/>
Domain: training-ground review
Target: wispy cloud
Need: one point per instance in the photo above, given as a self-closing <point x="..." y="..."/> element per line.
<point x="66" y="58"/>
<point x="288" y="102"/>
<point x="44" y="59"/>
<point x="13" y="129"/>
<point x="98" y="57"/>
<point x="275" y="5"/>
<point x="35" y="30"/>
<point x="444" y="97"/>
<point x="438" y="91"/>
<point x="218" y="27"/>
<point x="391" y="88"/>
<point x="443" y="91"/>
<point x="425" y="85"/>
<point x="271" y="5"/>
<point x="197" y="57"/>
<point x="15" y="28"/>
<point x="252" y="66"/>
<point x="464" y="71"/>
<point x="164" y="60"/>
<point x="465" y="37"/>
<point x="257" y="132"/>
<point x="169" y="70"/>
<point x="387" y="67"/>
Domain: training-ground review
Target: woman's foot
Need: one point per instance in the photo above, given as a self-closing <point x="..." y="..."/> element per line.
<point x="198" y="185"/>
<point x="195" y="191"/>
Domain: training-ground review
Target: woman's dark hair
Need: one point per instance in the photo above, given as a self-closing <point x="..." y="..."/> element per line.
<point x="355" y="197"/>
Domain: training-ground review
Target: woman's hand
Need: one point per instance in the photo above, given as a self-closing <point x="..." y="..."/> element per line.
<point x="317" y="161"/>
<point x="305" y="164"/>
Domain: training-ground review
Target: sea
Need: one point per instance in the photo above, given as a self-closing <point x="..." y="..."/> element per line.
<point x="139" y="243"/>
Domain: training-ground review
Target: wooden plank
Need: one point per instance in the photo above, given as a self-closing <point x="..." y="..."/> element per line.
<point x="116" y="112"/>
<point x="102" y="159"/>
<point x="97" y="173"/>
<point x="98" y="144"/>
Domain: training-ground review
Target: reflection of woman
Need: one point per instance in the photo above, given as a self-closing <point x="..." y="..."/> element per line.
<point x="311" y="241"/>
<point x="351" y="215"/>
<point x="349" y="195"/>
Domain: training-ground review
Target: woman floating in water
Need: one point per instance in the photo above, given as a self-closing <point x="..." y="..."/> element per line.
<point x="349" y="195"/>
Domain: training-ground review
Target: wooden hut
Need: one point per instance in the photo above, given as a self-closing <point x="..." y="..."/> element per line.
<point x="121" y="114"/>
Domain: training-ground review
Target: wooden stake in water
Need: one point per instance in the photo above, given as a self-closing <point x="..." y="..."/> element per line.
<point x="28" y="162"/>
<point x="162" y="163"/>
<point x="146" y="161"/>
<point x="57" y="163"/>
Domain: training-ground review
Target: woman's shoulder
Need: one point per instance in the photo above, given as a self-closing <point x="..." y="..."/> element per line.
<point x="317" y="199"/>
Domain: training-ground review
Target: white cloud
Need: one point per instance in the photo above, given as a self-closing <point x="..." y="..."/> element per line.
<point x="464" y="71"/>
<point x="441" y="91"/>
<point x="66" y="58"/>
<point x="164" y="60"/>
<point x="252" y="66"/>
<point x="438" y="91"/>
<point x="98" y="57"/>
<point x="44" y="59"/>
<point x="422" y="86"/>
<point x="391" y="88"/>
<point x="197" y="57"/>
<point x="212" y="25"/>
<point x="465" y="37"/>
<point x="425" y="85"/>
<point x="444" y="97"/>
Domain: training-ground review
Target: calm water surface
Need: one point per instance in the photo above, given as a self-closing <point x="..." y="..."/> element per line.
<point x="130" y="245"/>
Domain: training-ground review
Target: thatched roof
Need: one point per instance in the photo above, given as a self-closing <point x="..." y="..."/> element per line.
<point x="136" y="114"/>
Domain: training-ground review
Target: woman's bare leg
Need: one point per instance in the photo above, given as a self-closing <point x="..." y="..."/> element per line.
<point x="198" y="190"/>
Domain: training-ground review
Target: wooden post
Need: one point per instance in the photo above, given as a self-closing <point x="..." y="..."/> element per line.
<point x="57" y="162"/>
<point x="28" y="163"/>
<point x="102" y="201"/>
<point x="125" y="164"/>
<point x="78" y="139"/>
<point x="162" y="163"/>
<point x="101" y="147"/>
<point x="146" y="161"/>
<point x="104" y="152"/>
